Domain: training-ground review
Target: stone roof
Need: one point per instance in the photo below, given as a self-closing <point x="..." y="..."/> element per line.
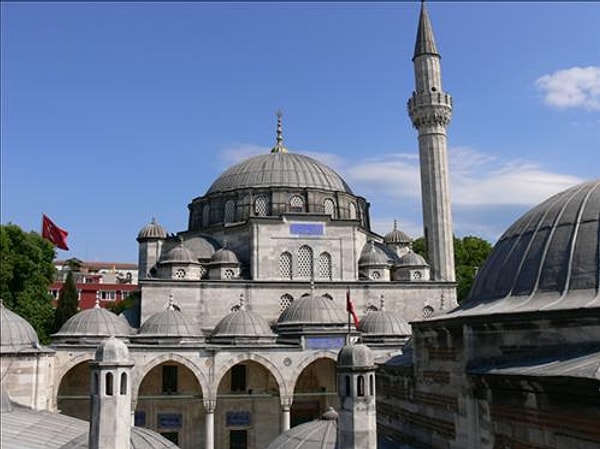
<point x="317" y="434"/>
<point x="372" y="255"/>
<point x="312" y="311"/>
<point x="382" y="323"/>
<point x="224" y="256"/>
<point x="396" y="236"/>
<point x="17" y="334"/>
<point x="169" y="323"/>
<point x="279" y="169"/>
<point x="549" y="259"/>
<point x="412" y="259"/>
<point x="152" y="231"/>
<point x="112" y="350"/>
<point x="179" y="254"/>
<point x="96" y="322"/>
<point x="355" y="356"/>
<point x="242" y="325"/>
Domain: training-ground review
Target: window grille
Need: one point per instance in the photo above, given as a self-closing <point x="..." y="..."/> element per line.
<point x="325" y="266"/>
<point x="297" y="204"/>
<point x="285" y="265"/>
<point x="427" y="311"/>
<point x="180" y="274"/>
<point x="329" y="207"/>
<point x="203" y="271"/>
<point x="285" y="301"/>
<point x="228" y="274"/>
<point x="305" y="262"/>
<point x="261" y="206"/>
<point x="229" y="211"/>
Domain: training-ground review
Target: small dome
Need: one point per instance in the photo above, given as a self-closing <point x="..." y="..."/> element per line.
<point x="318" y="434"/>
<point x="168" y="323"/>
<point x="242" y="324"/>
<point x="383" y="323"/>
<point x="312" y="310"/>
<point x="93" y="323"/>
<point x="396" y="236"/>
<point x="179" y="254"/>
<point x="357" y="356"/>
<point x="412" y="259"/>
<point x="152" y="231"/>
<point x="224" y="255"/>
<point x="17" y="333"/>
<point x="112" y="350"/>
<point x="548" y="259"/>
<point x="372" y="255"/>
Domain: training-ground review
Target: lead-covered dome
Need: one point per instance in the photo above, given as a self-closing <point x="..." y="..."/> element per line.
<point x="17" y="334"/>
<point x="242" y="326"/>
<point x="318" y="434"/>
<point x="168" y="324"/>
<point x="547" y="260"/>
<point x="92" y="324"/>
<point x="280" y="169"/>
<point x="381" y="324"/>
<point x="312" y="311"/>
<point x="152" y="231"/>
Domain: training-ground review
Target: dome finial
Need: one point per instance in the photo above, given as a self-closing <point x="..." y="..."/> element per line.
<point x="171" y="303"/>
<point x="279" y="148"/>
<point x="381" y="303"/>
<point x="97" y="303"/>
<point x="242" y="302"/>
<point x="395" y="224"/>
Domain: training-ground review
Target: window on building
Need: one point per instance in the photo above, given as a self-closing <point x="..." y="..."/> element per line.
<point x="229" y="212"/>
<point x="108" y="295"/>
<point x="54" y="293"/>
<point x="108" y="386"/>
<point x="238" y="378"/>
<point x="353" y="213"/>
<point x="285" y="265"/>
<point x="180" y="274"/>
<point x="123" y="386"/>
<point x="371" y="385"/>
<point x="329" y="207"/>
<point x="238" y="439"/>
<point x="169" y="379"/>
<point x="305" y="262"/>
<point x="261" y="206"/>
<point x="348" y="384"/>
<point x="285" y="301"/>
<point x="296" y="204"/>
<point x="228" y="273"/>
<point x="203" y="271"/>
<point x="427" y="311"/>
<point x="205" y="215"/>
<point x="324" y="266"/>
<point x="360" y="386"/>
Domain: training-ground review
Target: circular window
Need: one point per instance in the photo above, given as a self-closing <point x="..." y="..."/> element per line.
<point x="180" y="274"/>
<point x="375" y="275"/>
<point x="228" y="274"/>
<point x="427" y="311"/>
<point x="417" y="275"/>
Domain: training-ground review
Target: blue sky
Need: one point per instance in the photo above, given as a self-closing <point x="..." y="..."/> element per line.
<point x="113" y="113"/>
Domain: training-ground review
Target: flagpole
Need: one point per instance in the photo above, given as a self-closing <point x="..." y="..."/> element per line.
<point x="349" y="317"/>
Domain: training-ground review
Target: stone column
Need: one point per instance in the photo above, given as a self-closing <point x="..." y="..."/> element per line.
<point x="286" y="405"/>
<point x="209" y="423"/>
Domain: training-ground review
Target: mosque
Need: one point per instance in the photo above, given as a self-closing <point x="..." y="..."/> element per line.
<point x="242" y="338"/>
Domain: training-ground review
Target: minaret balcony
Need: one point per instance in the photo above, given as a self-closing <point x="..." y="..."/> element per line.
<point x="430" y="99"/>
<point x="430" y="109"/>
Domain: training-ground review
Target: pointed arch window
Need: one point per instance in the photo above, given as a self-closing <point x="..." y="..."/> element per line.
<point x="296" y="204"/>
<point x="305" y="262"/>
<point x="360" y="386"/>
<point x="325" y="266"/>
<point x="285" y="301"/>
<point x="285" y="265"/>
<point x="329" y="207"/>
<point x="229" y="211"/>
<point x="261" y="206"/>
<point x="108" y="385"/>
<point x="123" y="385"/>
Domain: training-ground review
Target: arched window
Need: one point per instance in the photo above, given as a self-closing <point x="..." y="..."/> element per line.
<point x="329" y="207"/>
<point x="123" y="383"/>
<point x="206" y="215"/>
<point x="285" y="301"/>
<point x="261" y="206"/>
<point x="305" y="262"/>
<point x="109" y="384"/>
<point x="360" y="386"/>
<point x="372" y="385"/>
<point x="296" y="204"/>
<point x="353" y="214"/>
<point x="96" y="382"/>
<point x="324" y="266"/>
<point x="348" y="385"/>
<point x="285" y="265"/>
<point x="229" y="211"/>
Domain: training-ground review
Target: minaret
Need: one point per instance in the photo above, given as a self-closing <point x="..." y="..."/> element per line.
<point x="110" y="424"/>
<point x="430" y="109"/>
<point x="357" y="420"/>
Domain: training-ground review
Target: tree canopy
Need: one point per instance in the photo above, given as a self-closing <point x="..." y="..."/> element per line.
<point x="26" y="272"/>
<point x="68" y="302"/>
<point x="470" y="253"/>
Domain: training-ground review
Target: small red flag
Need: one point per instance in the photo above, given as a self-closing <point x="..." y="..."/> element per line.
<point x="54" y="234"/>
<point x="350" y="308"/>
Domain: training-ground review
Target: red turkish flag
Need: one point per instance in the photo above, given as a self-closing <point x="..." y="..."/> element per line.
<point x="350" y="308"/>
<point x="54" y="234"/>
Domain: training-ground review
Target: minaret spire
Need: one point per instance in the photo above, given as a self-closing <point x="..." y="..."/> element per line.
<point x="430" y="110"/>
<point x="279" y="148"/>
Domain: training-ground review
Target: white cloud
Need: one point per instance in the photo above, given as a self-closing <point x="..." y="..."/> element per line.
<point x="572" y="88"/>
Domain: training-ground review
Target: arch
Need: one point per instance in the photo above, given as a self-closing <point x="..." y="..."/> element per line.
<point x="285" y="301"/>
<point x="307" y="361"/>
<point x="353" y="212"/>
<point x="329" y="207"/>
<point x="360" y="385"/>
<point x="285" y="265"/>
<point x="325" y="265"/>
<point x="123" y="384"/>
<point x="67" y="366"/>
<point x="140" y="373"/>
<point x="305" y="262"/>
<point x="261" y="206"/>
<point x="261" y="360"/>
<point x="296" y="203"/>
<point x="109" y="384"/>
<point x="229" y="216"/>
<point x="74" y="387"/>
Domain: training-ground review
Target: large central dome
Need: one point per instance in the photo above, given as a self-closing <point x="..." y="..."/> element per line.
<point x="279" y="169"/>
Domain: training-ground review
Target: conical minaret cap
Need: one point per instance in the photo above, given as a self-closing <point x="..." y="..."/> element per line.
<point x="425" y="44"/>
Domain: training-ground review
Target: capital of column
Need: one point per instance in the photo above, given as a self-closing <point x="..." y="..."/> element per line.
<point x="210" y="405"/>
<point x="286" y="402"/>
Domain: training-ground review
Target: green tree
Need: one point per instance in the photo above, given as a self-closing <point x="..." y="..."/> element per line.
<point x="470" y="253"/>
<point x="26" y="272"/>
<point x="68" y="302"/>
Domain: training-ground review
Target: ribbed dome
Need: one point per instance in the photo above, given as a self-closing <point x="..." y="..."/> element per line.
<point x="152" y="231"/>
<point x="224" y="255"/>
<point x="319" y="434"/>
<point x="355" y="356"/>
<point x="383" y="323"/>
<point x="371" y="255"/>
<point x="17" y="333"/>
<point x="179" y="254"/>
<point x="244" y="325"/>
<point x="312" y="310"/>
<point x="112" y="350"/>
<point x="279" y="169"/>
<point x="412" y="259"/>
<point x="168" y="323"/>
<point x="396" y="236"/>
<point x="95" y="322"/>
<point x="548" y="259"/>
